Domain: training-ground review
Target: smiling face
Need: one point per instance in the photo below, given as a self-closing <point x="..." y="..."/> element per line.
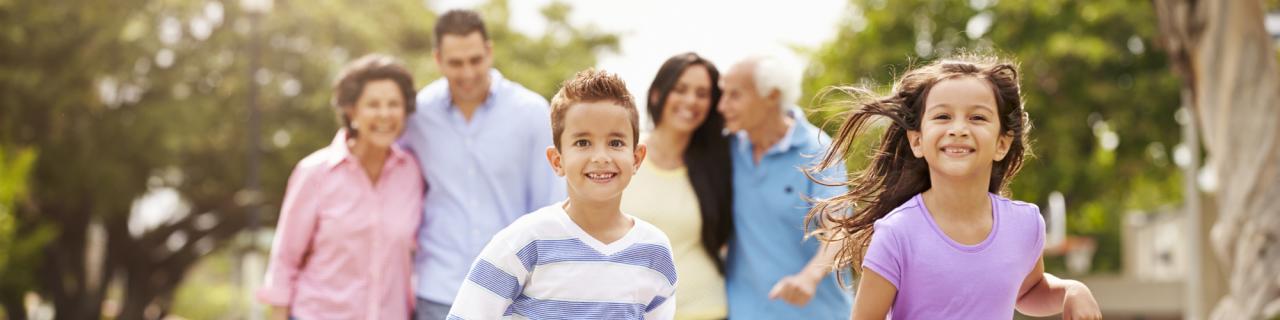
<point x="688" y="101"/>
<point x="597" y="155"/>
<point x="378" y="114"/>
<point x="744" y="107"/>
<point x="465" y="61"/>
<point x="960" y="133"/>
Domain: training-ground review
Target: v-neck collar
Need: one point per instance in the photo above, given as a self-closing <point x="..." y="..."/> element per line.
<point x="616" y="246"/>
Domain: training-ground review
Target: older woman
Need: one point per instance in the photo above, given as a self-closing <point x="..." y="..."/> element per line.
<point x="343" y="246"/>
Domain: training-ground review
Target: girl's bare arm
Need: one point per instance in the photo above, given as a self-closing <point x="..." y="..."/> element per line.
<point x="874" y="298"/>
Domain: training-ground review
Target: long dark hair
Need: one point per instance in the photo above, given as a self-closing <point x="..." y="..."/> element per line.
<point x="707" y="156"/>
<point x="894" y="175"/>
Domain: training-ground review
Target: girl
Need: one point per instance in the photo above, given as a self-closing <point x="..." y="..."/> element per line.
<point x="685" y="186"/>
<point x="343" y="246"/>
<point x="929" y="232"/>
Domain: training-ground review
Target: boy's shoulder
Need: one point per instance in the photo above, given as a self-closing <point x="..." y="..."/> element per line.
<point x="650" y="233"/>
<point x="541" y="219"/>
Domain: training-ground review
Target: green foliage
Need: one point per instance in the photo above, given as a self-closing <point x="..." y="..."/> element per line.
<point x="1090" y="72"/>
<point x="542" y="63"/>
<point x="19" y="251"/>
<point x="122" y="98"/>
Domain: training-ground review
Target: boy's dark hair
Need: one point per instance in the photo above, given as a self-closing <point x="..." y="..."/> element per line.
<point x="592" y="86"/>
<point x="355" y="75"/>
<point x="707" y="155"/>
<point x="459" y="22"/>
<point x="894" y="174"/>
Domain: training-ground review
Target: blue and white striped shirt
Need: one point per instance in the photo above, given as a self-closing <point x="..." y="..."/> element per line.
<point x="544" y="266"/>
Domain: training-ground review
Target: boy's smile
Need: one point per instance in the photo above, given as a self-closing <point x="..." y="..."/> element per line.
<point x="597" y="154"/>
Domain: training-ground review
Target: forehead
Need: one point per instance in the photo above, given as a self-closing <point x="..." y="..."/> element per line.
<point x="381" y="87"/>
<point x="695" y="73"/>
<point x="452" y="45"/>
<point x="965" y="92"/>
<point x="597" y="118"/>
<point x="738" y="77"/>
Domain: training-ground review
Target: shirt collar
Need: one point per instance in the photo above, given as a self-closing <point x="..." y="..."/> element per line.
<point x="341" y="153"/>
<point x="788" y="139"/>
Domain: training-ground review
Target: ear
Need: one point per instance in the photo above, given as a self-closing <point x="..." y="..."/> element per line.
<point x="1002" y="146"/>
<point x="775" y="98"/>
<point x="640" y="152"/>
<point x="913" y="139"/>
<point x="553" y="157"/>
<point x="488" y="47"/>
<point x="435" y="53"/>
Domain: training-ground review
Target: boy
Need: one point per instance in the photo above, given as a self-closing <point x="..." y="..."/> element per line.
<point x="582" y="258"/>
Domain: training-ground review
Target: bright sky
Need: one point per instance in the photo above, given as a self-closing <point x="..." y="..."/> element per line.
<point x="654" y="30"/>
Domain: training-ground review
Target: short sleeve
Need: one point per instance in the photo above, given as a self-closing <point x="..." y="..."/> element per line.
<point x="884" y="255"/>
<point x="1037" y="250"/>
<point x="497" y="276"/>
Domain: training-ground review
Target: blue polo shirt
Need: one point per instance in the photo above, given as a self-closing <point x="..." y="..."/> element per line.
<point x="768" y="220"/>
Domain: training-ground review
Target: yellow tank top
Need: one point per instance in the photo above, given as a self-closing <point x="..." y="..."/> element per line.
<point x="665" y="198"/>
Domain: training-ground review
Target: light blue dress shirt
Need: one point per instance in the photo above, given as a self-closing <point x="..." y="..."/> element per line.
<point x="769" y="204"/>
<point x="480" y="175"/>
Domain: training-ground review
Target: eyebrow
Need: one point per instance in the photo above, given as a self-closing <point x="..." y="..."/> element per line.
<point x="989" y="108"/>
<point x="580" y="134"/>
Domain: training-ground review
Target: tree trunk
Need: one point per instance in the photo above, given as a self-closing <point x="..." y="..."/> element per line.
<point x="1227" y="61"/>
<point x="13" y="307"/>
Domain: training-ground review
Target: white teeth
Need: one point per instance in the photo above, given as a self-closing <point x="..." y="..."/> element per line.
<point x="600" y="175"/>
<point x="956" y="150"/>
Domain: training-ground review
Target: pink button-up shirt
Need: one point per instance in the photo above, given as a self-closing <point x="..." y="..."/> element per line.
<point x="343" y="248"/>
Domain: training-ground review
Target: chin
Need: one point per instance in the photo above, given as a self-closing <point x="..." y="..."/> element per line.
<point x="382" y="142"/>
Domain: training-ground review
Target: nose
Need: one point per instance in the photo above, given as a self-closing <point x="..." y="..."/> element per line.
<point x="958" y="130"/>
<point x="687" y="97"/>
<point x="599" y="156"/>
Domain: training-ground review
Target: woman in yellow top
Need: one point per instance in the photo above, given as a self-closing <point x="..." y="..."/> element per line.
<point x="684" y="187"/>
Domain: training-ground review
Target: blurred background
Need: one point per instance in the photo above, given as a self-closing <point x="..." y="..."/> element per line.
<point x="145" y="144"/>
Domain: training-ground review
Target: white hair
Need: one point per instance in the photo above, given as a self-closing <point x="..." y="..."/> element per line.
<point x="774" y="73"/>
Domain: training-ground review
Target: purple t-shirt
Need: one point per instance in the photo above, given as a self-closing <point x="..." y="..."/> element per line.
<point x="939" y="278"/>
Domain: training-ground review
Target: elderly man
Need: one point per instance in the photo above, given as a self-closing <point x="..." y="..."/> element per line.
<point x="773" y="272"/>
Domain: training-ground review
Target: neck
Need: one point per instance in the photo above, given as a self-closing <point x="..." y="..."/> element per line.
<point x="959" y="196"/>
<point x="666" y="147"/>
<point x="595" y="217"/>
<point x="371" y="157"/>
<point x="767" y="134"/>
<point x="468" y="106"/>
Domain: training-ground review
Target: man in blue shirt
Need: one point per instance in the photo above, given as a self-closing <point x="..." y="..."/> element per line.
<point x="481" y="141"/>
<point x="773" y="271"/>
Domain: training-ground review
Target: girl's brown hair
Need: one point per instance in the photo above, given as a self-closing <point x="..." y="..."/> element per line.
<point x="894" y="174"/>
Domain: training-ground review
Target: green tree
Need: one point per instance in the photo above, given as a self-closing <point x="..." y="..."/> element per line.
<point x="1101" y="99"/>
<point x="126" y="99"/>
<point x="18" y="251"/>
